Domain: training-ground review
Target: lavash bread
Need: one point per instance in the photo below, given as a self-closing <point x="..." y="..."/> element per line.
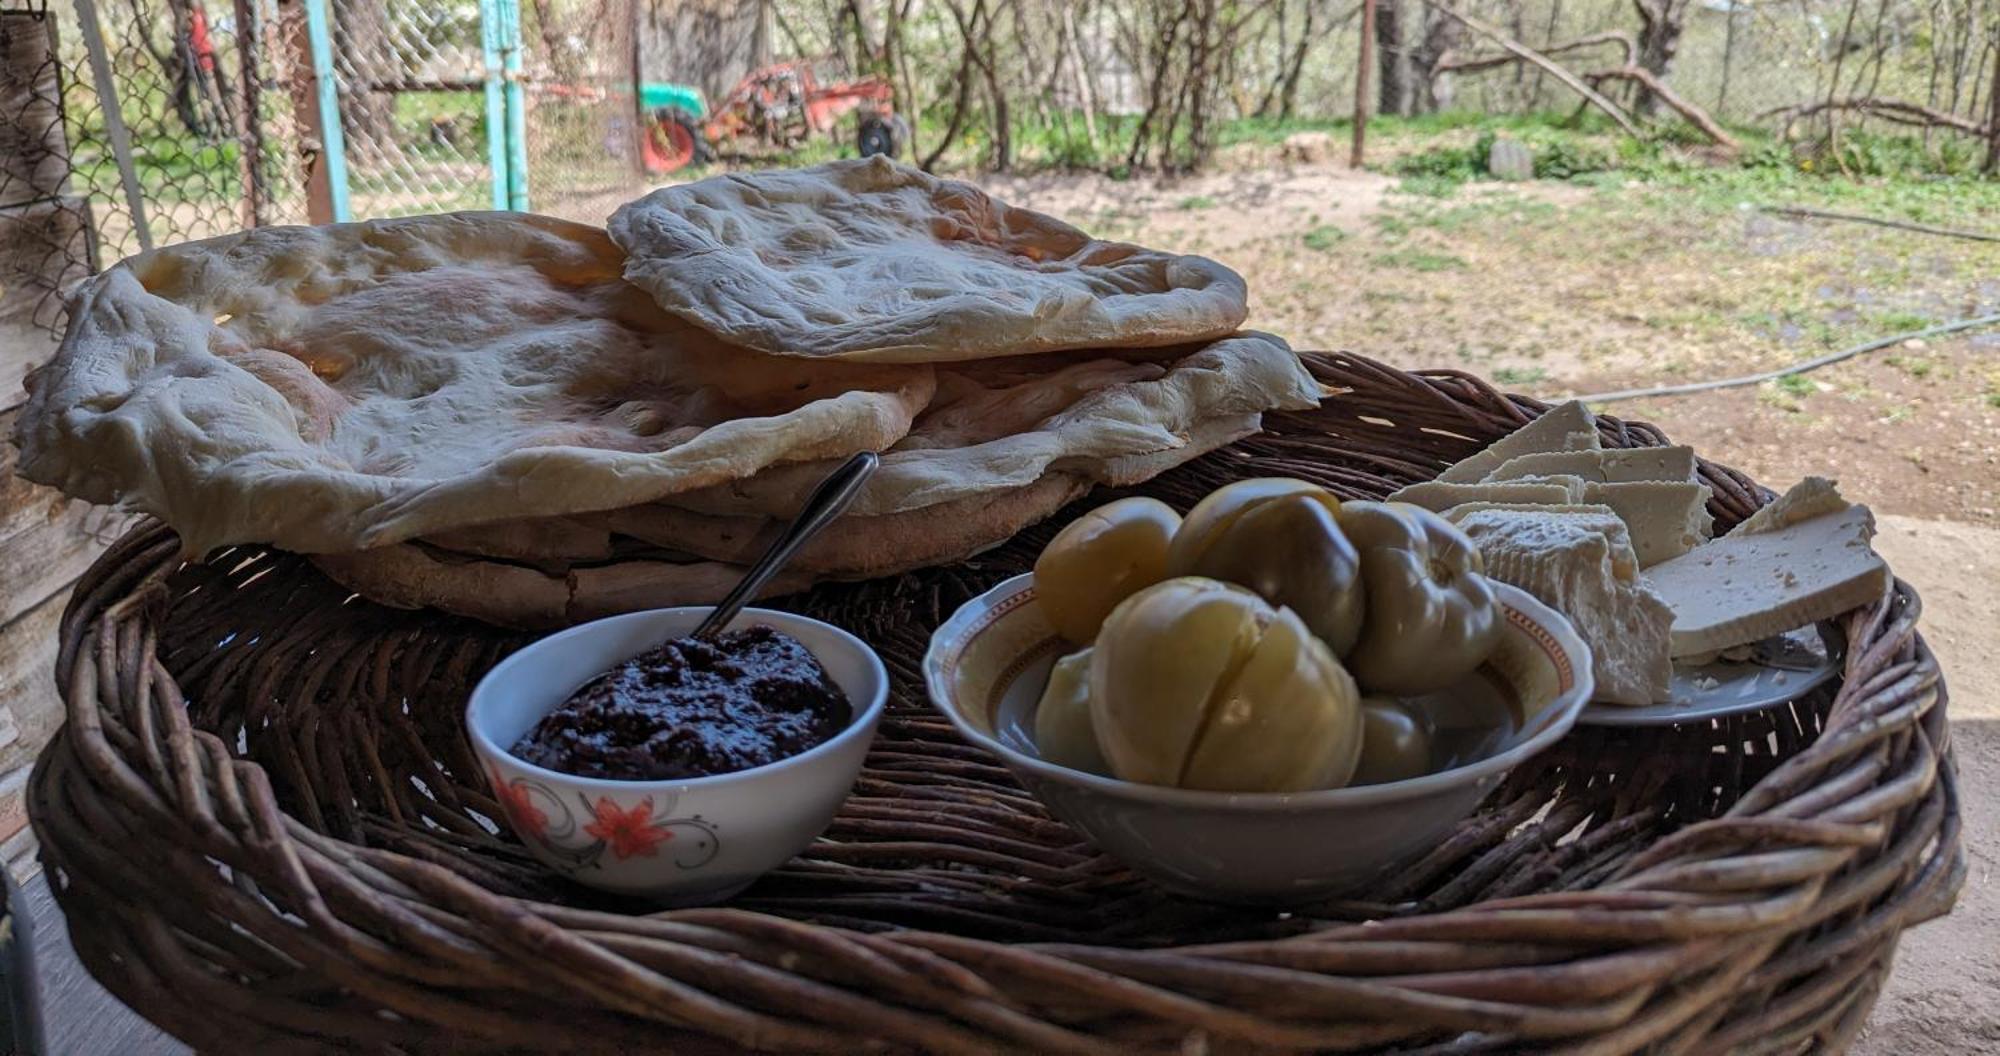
<point x="414" y="576"/>
<point x="344" y="387"/>
<point x="994" y="425"/>
<point x="1001" y="447"/>
<point x="477" y="413"/>
<point x="874" y="260"/>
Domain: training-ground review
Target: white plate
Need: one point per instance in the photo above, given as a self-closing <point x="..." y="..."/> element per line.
<point x="1781" y="670"/>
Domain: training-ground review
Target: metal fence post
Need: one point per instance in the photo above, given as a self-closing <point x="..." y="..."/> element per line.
<point x="517" y="109"/>
<point x="496" y="105"/>
<point x="506" y="104"/>
<point x="333" y="143"/>
<point x="114" y="120"/>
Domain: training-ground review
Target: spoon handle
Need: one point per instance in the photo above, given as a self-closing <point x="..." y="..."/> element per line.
<point x="826" y="502"/>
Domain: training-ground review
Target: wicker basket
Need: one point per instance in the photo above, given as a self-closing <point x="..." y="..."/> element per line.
<point x="269" y="836"/>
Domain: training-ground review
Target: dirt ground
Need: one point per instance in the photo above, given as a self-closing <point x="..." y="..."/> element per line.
<point x="1555" y="290"/>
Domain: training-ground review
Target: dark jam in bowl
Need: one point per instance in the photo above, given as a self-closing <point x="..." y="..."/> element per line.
<point x="693" y="708"/>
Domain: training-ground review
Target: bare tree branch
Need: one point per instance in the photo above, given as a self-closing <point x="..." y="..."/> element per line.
<point x="1454" y="63"/>
<point x="1530" y="55"/>
<point x="1896" y="110"/>
<point x="1695" y="115"/>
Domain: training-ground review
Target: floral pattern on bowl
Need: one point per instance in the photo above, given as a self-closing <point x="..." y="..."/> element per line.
<point x="624" y="832"/>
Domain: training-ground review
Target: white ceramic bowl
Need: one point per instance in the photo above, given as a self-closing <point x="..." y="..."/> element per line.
<point x="988" y="664"/>
<point x="684" y="842"/>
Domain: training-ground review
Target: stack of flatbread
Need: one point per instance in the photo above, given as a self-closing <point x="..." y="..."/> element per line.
<point x="534" y="422"/>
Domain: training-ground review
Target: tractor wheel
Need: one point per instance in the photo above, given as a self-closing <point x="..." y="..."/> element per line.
<point x="881" y="135"/>
<point x="673" y="141"/>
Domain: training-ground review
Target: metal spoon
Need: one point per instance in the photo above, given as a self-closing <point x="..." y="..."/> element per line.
<point x="827" y="502"/>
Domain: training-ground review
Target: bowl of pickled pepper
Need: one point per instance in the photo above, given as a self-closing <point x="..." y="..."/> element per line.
<point x="1274" y="699"/>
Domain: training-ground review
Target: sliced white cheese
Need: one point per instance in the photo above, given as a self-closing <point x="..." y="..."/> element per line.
<point x="1606" y="466"/>
<point x="1550" y="432"/>
<point x="1809" y="498"/>
<point x="1667" y="518"/>
<point x="1745" y="588"/>
<point x="1597" y="518"/>
<point x="1441" y="495"/>
<point x="1581" y="565"/>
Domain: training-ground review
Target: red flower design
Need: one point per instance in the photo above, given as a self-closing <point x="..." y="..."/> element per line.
<point x="527" y="819"/>
<point x="629" y="832"/>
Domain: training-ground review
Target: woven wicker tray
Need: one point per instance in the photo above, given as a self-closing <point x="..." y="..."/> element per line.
<point x="268" y="836"/>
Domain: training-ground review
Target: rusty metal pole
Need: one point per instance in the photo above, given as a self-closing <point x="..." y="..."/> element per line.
<point x="1361" y="83"/>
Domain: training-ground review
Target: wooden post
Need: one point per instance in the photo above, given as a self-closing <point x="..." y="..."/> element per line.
<point x="45" y="236"/>
<point x="46" y="540"/>
<point x="1354" y="157"/>
<point x="250" y="111"/>
<point x="304" y="91"/>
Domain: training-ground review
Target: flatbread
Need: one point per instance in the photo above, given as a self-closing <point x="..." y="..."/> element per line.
<point x="860" y="547"/>
<point x="345" y="387"/>
<point x="1109" y="416"/>
<point x="874" y="260"/>
<point x="548" y="539"/>
<point x="984" y="405"/>
<point x="413" y="576"/>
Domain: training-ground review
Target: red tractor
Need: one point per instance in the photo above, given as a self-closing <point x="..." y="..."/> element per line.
<point x="775" y="108"/>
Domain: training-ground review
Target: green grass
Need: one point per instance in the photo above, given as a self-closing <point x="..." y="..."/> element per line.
<point x="1420" y="260"/>
<point x="1323" y="238"/>
<point x="1795" y="385"/>
<point x="1900" y="322"/>
<point x="1914" y="366"/>
<point x="1430" y="186"/>
<point x="1520" y="375"/>
<point x="1198" y="201"/>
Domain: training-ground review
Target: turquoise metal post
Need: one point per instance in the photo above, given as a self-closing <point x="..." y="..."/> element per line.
<point x="333" y="143"/>
<point x="496" y="104"/>
<point x="517" y="110"/>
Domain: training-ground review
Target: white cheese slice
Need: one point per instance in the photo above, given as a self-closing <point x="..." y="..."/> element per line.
<point x="1667" y="518"/>
<point x="1809" y="498"/>
<point x="1606" y="466"/>
<point x="1581" y="565"/>
<point x="1597" y="518"/>
<point x="1441" y="495"/>
<point x="1745" y="588"/>
<point x="1550" y="432"/>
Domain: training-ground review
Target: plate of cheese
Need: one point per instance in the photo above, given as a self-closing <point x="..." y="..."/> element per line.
<point x="1683" y="625"/>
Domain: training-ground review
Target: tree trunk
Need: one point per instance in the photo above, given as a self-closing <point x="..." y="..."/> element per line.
<point x="1392" y="57"/>
<point x="365" y="57"/>
<point x="1288" y="97"/>
<point x="1993" y="122"/>
<point x="1086" y="92"/>
<point x="1441" y="34"/>
<point x="1660" y="26"/>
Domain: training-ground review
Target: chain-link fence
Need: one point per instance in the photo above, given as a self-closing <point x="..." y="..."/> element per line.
<point x="413" y="105"/>
<point x="583" y="151"/>
<point x="128" y="126"/>
<point x="177" y="121"/>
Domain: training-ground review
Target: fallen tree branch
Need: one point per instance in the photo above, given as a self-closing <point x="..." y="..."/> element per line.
<point x="1857" y="218"/>
<point x="1694" y="115"/>
<point x="1896" y="110"/>
<point x="1797" y="368"/>
<point x="1454" y="63"/>
<point x="1542" y="62"/>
